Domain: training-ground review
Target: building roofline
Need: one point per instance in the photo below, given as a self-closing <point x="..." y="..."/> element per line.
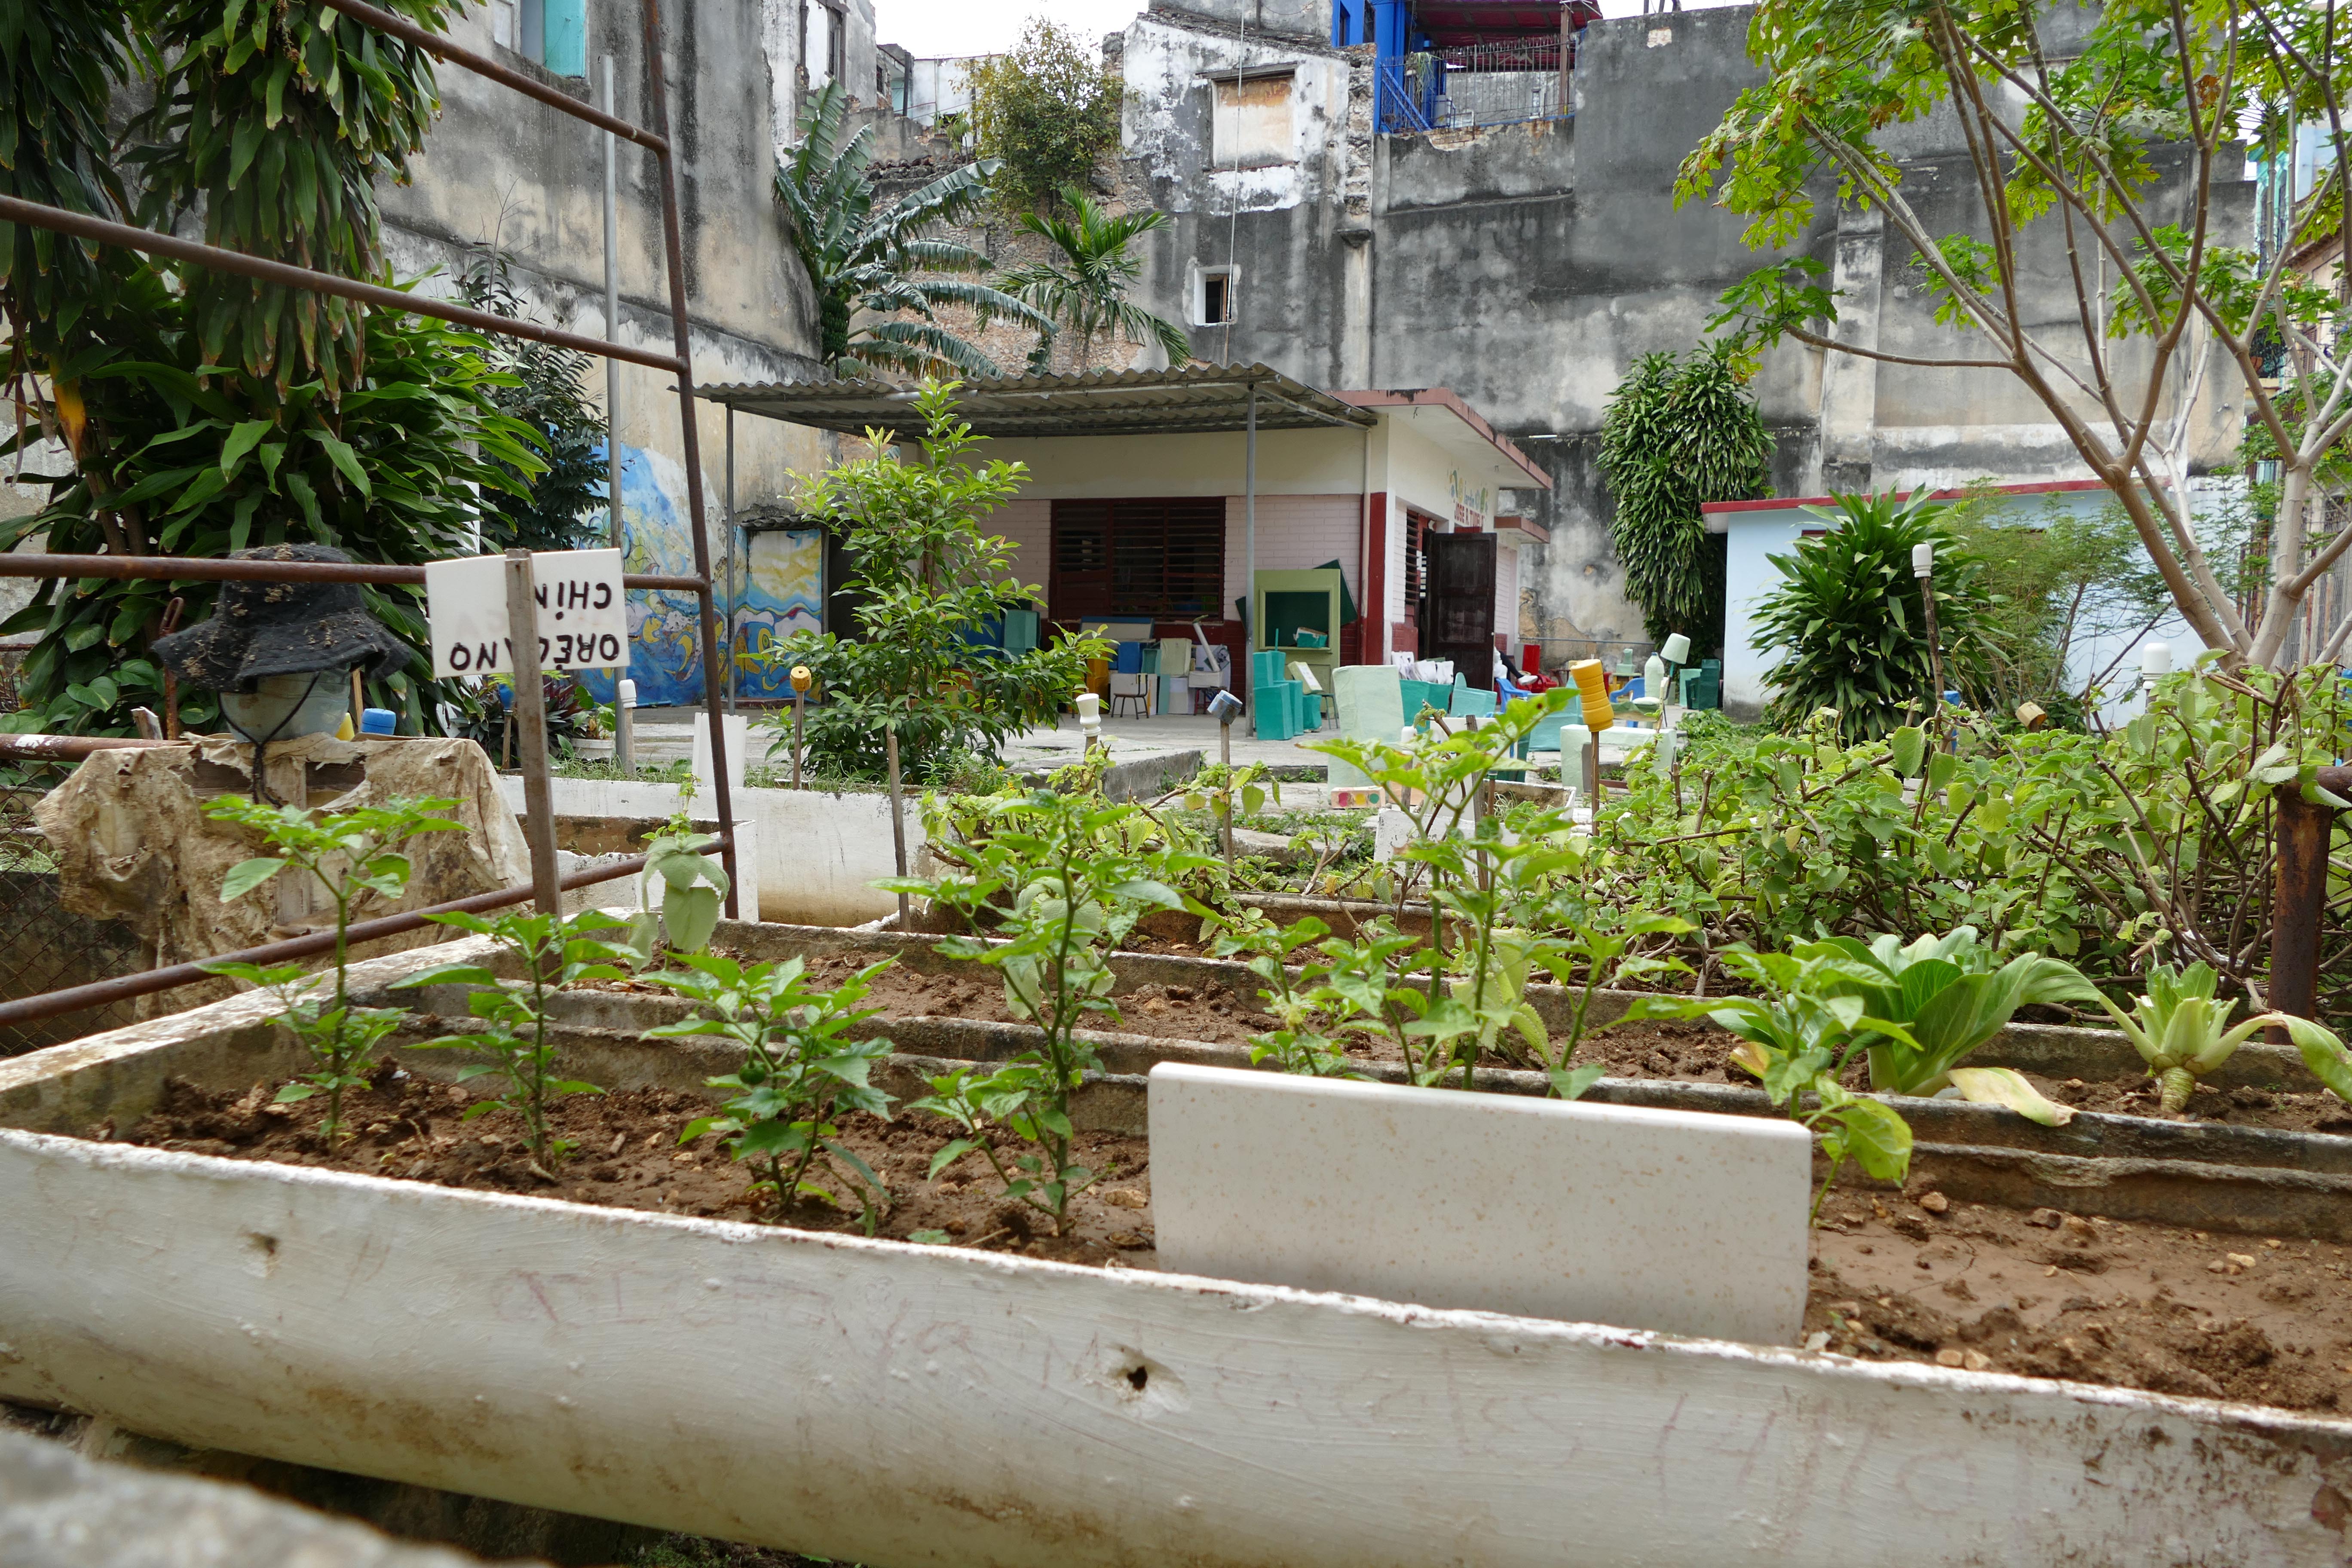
<point x="1784" y="503"/>
<point x="1451" y="401"/>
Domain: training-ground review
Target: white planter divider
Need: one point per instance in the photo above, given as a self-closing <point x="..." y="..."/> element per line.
<point x="816" y="853"/>
<point x="905" y="1405"/>
<point x="1673" y="1220"/>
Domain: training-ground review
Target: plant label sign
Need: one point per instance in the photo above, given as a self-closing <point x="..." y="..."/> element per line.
<point x="584" y="614"/>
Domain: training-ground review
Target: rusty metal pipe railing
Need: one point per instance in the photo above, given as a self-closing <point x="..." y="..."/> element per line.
<point x="14" y="209"/>
<point x="2299" y="900"/>
<point x="483" y="65"/>
<point x="123" y="987"/>
<point x="190" y="569"/>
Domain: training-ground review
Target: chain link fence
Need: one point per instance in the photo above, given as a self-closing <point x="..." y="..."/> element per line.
<point x="43" y="946"/>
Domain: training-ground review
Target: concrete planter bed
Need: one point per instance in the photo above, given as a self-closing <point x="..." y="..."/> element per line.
<point x="898" y="1404"/>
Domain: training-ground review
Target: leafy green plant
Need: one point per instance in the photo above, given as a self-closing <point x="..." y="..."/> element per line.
<point x="2183" y="1032"/>
<point x="1058" y="897"/>
<point x="802" y="1071"/>
<point x="1298" y="1042"/>
<point x="883" y="263"/>
<point x="553" y="952"/>
<point x="1676" y="433"/>
<point x="928" y="580"/>
<point x="1799" y="1036"/>
<point x="1046" y="114"/>
<point x="693" y="884"/>
<point x="1082" y="285"/>
<point x="352" y="854"/>
<point x="1930" y="1004"/>
<point x="561" y="502"/>
<point x="1849" y="626"/>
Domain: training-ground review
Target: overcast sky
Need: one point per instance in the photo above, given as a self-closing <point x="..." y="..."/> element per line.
<point x="933" y="28"/>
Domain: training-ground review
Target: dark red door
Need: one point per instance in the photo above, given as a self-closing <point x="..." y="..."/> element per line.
<point x="1457" y="619"/>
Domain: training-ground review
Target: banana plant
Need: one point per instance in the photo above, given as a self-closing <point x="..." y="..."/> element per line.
<point x="1927" y="1005"/>
<point x="2183" y="1033"/>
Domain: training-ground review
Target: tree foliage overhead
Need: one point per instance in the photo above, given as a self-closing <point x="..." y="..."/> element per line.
<point x="2096" y="269"/>
<point x="928" y="581"/>
<point x="1849" y="625"/>
<point x="1081" y="287"/>
<point x="539" y="384"/>
<point x="1046" y="114"/>
<point x="1680" y="431"/>
<point x="880" y="272"/>
<point x="201" y="414"/>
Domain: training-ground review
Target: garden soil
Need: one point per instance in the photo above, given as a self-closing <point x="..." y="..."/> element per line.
<point x="1688" y="1052"/>
<point x="1894" y="1279"/>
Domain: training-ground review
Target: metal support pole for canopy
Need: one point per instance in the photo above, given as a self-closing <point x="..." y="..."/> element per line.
<point x="733" y="535"/>
<point x="1250" y="629"/>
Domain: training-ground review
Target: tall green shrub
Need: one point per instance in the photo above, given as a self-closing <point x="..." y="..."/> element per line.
<point x="1046" y="112"/>
<point x="928" y="581"/>
<point x="203" y="413"/>
<point x="1680" y="431"/>
<point x="1848" y="623"/>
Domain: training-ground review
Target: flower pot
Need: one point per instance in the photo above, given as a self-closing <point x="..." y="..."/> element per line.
<point x="593" y="751"/>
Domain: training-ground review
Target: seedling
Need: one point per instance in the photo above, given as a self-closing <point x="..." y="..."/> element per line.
<point x="801" y="1071"/>
<point x="1061" y="878"/>
<point x="351" y="853"/>
<point x="1927" y="1006"/>
<point x="1297" y="1044"/>
<point x="553" y="952"/>
<point x="693" y="885"/>
<point x="2183" y="1033"/>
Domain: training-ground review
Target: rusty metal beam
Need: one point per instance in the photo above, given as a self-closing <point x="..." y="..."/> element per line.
<point x="123" y="987"/>
<point x="483" y="65"/>
<point x="82" y="225"/>
<point x="2299" y="899"/>
<point x="69" y="748"/>
<point x="191" y="569"/>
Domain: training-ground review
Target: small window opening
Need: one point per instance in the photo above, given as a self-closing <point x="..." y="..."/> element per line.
<point x="1216" y="299"/>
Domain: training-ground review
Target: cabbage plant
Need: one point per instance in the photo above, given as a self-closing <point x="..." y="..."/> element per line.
<point x="2183" y="1032"/>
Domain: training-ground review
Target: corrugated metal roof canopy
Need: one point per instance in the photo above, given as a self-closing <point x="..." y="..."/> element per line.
<point x="1201" y="398"/>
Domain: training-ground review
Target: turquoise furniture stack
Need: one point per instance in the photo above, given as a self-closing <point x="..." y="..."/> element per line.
<point x="1417" y="692"/>
<point x="1273" y="701"/>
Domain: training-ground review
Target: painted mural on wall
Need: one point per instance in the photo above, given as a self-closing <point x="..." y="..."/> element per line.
<point x="656" y="538"/>
<point x="783" y="593"/>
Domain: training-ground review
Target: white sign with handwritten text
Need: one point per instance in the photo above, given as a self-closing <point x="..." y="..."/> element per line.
<point x="584" y="614"/>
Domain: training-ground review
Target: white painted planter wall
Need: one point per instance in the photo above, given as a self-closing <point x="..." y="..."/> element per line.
<point x="909" y="1406"/>
<point x="816" y="854"/>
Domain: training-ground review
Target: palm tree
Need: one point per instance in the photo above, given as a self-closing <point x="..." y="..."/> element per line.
<point x="879" y="262"/>
<point x="1083" y="287"/>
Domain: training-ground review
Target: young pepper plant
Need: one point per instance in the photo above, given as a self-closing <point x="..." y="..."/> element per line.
<point x="1059" y="882"/>
<point x="802" y="1071"/>
<point x="553" y="952"/>
<point x="352" y="854"/>
<point x="1799" y="1036"/>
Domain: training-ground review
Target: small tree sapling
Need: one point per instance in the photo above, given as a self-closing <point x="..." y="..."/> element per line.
<point x="351" y="853"/>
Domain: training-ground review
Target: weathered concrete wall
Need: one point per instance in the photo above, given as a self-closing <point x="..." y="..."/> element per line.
<point x="1526" y="266"/>
<point x="501" y="171"/>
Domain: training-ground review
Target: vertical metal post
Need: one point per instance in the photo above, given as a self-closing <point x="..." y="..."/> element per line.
<point x="1225" y="757"/>
<point x="1251" y="630"/>
<point x="2299" y="900"/>
<point x="611" y="314"/>
<point x="731" y="531"/>
<point x="690" y="445"/>
<point x="897" y="816"/>
<point x="530" y="726"/>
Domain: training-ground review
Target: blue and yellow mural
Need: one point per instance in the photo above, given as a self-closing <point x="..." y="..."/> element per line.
<point x="782" y="594"/>
<point x="783" y="590"/>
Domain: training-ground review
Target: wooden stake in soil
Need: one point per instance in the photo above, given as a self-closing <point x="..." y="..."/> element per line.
<point x="802" y="677"/>
<point x="359" y="703"/>
<point x="529" y="720"/>
<point x="1226" y="757"/>
<point x="897" y="814"/>
<point x="1923" y="566"/>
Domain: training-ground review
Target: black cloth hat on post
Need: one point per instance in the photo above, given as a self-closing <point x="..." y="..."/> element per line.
<point x="282" y="628"/>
